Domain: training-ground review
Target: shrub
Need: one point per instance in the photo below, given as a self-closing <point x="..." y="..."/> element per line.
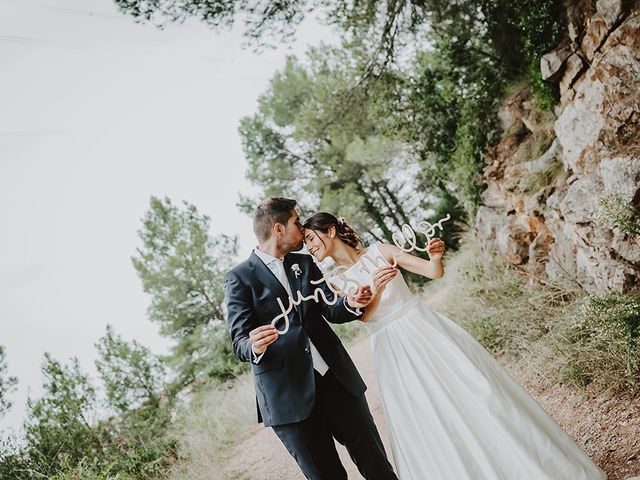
<point x="541" y="25"/>
<point x="615" y="212"/>
<point x="602" y="342"/>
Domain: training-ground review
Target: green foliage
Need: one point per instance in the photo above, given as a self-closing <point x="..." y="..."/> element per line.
<point x="447" y="104"/>
<point x="130" y="373"/>
<point x="14" y="463"/>
<point x="138" y="443"/>
<point x="540" y="25"/>
<point x="264" y="22"/>
<point x="7" y="383"/>
<point x="448" y="118"/>
<point x="339" y="131"/>
<point x="605" y="346"/>
<point x="490" y="332"/>
<point x="67" y="436"/>
<point x="182" y="267"/>
<point x="496" y="303"/>
<point x="59" y="428"/>
<point x="270" y="23"/>
<point x="615" y="212"/>
<point x="318" y="138"/>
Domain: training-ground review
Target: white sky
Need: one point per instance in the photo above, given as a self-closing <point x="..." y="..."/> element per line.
<point x="97" y="114"/>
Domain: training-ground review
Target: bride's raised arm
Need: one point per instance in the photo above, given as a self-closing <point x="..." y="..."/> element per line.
<point x="432" y="268"/>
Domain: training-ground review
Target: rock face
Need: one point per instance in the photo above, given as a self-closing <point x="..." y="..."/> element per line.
<point x="541" y="204"/>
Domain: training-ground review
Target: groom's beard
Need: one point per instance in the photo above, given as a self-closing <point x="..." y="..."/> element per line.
<point x="293" y="247"/>
<point x="297" y="247"/>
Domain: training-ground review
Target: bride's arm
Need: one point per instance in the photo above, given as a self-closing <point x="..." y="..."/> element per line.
<point x="372" y="307"/>
<point x="381" y="278"/>
<point x="432" y="268"/>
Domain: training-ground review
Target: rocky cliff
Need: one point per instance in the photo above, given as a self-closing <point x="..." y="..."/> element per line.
<point x="549" y="175"/>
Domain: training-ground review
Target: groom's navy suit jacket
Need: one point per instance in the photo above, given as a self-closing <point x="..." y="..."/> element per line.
<point x="284" y="377"/>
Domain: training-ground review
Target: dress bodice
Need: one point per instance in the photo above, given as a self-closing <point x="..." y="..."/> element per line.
<point x="395" y="295"/>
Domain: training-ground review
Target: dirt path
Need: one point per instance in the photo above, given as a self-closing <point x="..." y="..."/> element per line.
<point x="604" y="425"/>
<point x="262" y="456"/>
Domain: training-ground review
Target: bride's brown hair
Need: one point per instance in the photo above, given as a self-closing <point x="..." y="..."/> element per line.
<point x="322" y="221"/>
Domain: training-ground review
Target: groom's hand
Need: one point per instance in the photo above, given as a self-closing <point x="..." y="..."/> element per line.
<point x="360" y="298"/>
<point x="262" y="337"/>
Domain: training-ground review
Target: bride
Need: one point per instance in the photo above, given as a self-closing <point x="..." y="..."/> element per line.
<point x="453" y="412"/>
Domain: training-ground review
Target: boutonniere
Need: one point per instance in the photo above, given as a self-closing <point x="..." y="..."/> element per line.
<point x="295" y="268"/>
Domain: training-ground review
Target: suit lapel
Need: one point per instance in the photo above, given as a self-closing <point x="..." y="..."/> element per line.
<point x="268" y="279"/>
<point x="295" y="282"/>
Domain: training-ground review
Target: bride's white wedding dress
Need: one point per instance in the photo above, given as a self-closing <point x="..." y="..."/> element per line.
<point x="453" y="412"/>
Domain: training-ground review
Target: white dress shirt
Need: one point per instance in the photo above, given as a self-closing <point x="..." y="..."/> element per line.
<point x="276" y="265"/>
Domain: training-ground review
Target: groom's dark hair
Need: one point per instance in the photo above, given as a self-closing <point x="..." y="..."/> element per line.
<point x="271" y="211"/>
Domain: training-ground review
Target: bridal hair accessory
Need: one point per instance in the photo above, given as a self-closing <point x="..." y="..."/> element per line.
<point x="295" y="268"/>
<point x="342" y="221"/>
<point x="405" y="240"/>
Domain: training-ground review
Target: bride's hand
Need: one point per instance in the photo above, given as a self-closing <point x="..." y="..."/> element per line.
<point x="382" y="276"/>
<point x="435" y="249"/>
<point x="359" y="298"/>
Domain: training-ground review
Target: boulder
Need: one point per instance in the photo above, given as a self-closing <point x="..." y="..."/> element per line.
<point x="513" y="242"/>
<point x="488" y="221"/>
<point x="579" y="205"/>
<point x="552" y="63"/>
<point x="595" y="36"/>
<point x="574" y="67"/>
<point x="626" y="246"/>
<point x="546" y="159"/>
<point x="551" y="228"/>
<point x="621" y="175"/>
<point x="539" y="251"/>
<point x="494" y="196"/>
<point x="580" y="123"/>
<point x="562" y="253"/>
<point x="611" y="11"/>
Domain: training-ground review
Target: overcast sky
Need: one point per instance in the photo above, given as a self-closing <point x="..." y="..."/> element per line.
<point x="97" y="114"/>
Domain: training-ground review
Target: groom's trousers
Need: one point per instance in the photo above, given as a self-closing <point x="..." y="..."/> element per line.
<point x="348" y="419"/>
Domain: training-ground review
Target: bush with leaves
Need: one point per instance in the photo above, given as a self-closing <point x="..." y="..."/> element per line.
<point x="604" y="342"/>
<point x="182" y="267"/>
<point x="131" y="374"/>
<point x="60" y="428"/>
<point x="71" y="433"/>
<point x="615" y="212"/>
<point x="7" y="383"/>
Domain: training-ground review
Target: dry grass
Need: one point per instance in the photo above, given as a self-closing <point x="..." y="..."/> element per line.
<point x="219" y="416"/>
<point x="563" y="334"/>
<point x="552" y="329"/>
<point x="216" y="418"/>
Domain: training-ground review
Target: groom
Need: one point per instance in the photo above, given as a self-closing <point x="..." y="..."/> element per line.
<point x="308" y="389"/>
